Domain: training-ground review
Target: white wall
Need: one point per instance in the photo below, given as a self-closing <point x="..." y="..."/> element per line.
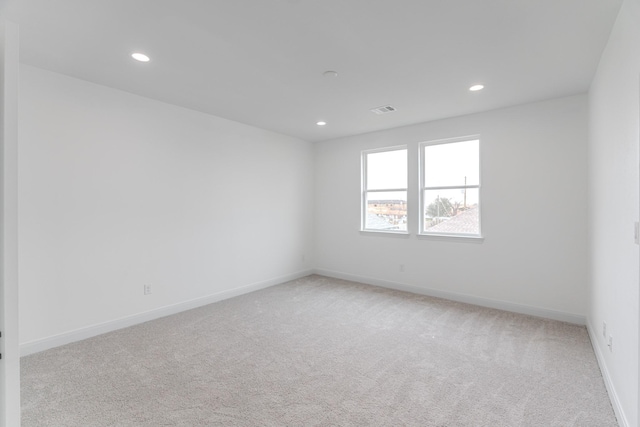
<point x="534" y="174"/>
<point x="10" y="364"/>
<point x="614" y="113"/>
<point x="117" y="191"/>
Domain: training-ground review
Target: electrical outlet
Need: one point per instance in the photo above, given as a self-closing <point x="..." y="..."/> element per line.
<point x="604" y="329"/>
<point x="610" y="343"/>
<point x="147" y="289"/>
<point x="401" y="268"/>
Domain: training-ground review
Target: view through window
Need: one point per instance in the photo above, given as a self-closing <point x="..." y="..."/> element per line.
<point x="450" y="179"/>
<point x="385" y="190"/>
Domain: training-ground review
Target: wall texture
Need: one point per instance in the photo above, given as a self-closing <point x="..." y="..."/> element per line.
<point x="614" y="123"/>
<point x="9" y="318"/>
<point x="117" y="191"/>
<point x="534" y="196"/>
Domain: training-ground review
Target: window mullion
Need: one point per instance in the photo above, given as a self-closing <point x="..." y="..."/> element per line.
<point x="385" y="190"/>
<point x="453" y="187"/>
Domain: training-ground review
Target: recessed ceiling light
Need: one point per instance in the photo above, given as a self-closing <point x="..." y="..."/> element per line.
<point x="330" y="74"/>
<point x="140" y="57"/>
<point x="476" y="88"/>
<point x="321" y="123"/>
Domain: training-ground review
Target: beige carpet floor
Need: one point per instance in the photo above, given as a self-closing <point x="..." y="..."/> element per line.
<point x="323" y="352"/>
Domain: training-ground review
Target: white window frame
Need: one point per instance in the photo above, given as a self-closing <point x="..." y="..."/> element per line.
<point x="364" y="191"/>
<point x="423" y="188"/>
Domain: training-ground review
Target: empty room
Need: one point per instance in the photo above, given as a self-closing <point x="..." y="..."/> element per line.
<point x="320" y="213"/>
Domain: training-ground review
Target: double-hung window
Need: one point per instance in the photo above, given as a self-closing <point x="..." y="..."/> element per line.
<point x="384" y="190"/>
<point x="450" y="187"/>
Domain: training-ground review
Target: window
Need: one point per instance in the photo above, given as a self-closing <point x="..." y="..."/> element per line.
<point x="450" y="187"/>
<point x="384" y="190"/>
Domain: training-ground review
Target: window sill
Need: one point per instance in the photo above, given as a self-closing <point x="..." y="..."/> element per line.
<point x="452" y="238"/>
<point x="397" y="234"/>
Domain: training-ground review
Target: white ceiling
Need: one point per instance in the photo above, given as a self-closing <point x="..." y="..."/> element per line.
<point x="261" y="61"/>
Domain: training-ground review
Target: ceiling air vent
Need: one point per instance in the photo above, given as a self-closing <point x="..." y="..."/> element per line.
<point x="384" y="110"/>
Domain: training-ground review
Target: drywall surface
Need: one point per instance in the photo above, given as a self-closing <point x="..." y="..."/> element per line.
<point x="534" y="192"/>
<point x="9" y="319"/>
<point x="614" y="124"/>
<point x="118" y="191"/>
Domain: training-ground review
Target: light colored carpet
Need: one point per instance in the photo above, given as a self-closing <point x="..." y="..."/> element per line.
<point x="323" y="352"/>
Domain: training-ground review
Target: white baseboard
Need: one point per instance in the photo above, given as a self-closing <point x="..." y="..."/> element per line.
<point x="613" y="396"/>
<point x="36" y="346"/>
<point x="469" y="299"/>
